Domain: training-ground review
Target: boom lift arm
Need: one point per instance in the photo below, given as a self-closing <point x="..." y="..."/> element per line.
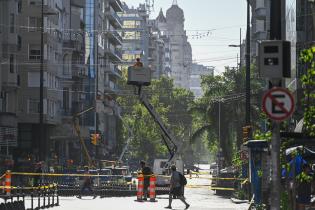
<point x="130" y="138"/>
<point x="168" y="138"/>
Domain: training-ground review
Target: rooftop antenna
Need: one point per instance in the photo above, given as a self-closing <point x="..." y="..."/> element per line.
<point x="149" y="5"/>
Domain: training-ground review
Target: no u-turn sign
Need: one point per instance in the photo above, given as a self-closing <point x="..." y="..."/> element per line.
<point x="278" y="104"/>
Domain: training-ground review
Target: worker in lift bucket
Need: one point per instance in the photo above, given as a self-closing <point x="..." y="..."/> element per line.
<point x="138" y="63"/>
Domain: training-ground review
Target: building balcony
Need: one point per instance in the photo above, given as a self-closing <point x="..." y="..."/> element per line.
<point x="78" y="3"/>
<point x="8" y="119"/>
<point x="114" y="54"/>
<point x="113" y="70"/>
<point x="113" y="18"/>
<point x="10" y="80"/>
<point x="115" y="37"/>
<point x="48" y="10"/>
<point x="261" y="13"/>
<point x="73" y="42"/>
<point x="79" y="71"/>
<point x="8" y="129"/>
<point x="116" y="4"/>
<point x="110" y="87"/>
<point x="260" y="35"/>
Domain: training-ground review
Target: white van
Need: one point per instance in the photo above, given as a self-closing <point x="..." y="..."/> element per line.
<point x="159" y="169"/>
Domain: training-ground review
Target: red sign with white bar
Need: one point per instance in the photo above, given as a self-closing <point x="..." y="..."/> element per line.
<point x="278" y="104"/>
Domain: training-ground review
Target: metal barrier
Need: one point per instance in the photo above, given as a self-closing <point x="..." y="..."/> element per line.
<point x="41" y="197"/>
<point x="16" y="205"/>
<point x="70" y="184"/>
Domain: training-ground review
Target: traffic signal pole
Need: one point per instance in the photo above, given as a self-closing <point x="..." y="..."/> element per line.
<point x="247" y="83"/>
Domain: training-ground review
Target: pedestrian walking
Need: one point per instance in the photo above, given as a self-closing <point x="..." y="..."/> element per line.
<point x="146" y="172"/>
<point x="178" y="182"/>
<point x="197" y="172"/>
<point x="87" y="183"/>
<point x="38" y="179"/>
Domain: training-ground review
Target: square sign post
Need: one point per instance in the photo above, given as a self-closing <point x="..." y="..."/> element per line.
<point x="275" y="64"/>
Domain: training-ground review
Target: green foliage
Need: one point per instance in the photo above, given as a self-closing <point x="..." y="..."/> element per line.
<point x="258" y="135"/>
<point x="170" y="103"/>
<point x="224" y="99"/>
<point x="284" y="201"/>
<point x="308" y="82"/>
<point x="303" y="177"/>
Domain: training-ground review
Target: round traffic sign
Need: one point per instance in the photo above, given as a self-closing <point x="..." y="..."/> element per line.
<point x="278" y="104"/>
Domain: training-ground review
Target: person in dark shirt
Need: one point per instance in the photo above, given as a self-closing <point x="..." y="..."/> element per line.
<point x="176" y="188"/>
<point x="38" y="170"/>
<point x="146" y="172"/>
<point x="87" y="183"/>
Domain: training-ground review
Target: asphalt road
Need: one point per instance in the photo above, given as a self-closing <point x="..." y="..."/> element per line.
<point x="198" y="195"/>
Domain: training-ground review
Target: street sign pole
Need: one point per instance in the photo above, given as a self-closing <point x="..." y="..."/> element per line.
<point x="275" y="162"/>
<point x="278" y="104"/>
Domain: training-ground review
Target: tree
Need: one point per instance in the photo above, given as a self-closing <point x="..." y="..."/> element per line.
<point x="172" y="105"/>
<point x="308" y="82"/>
<point x="221" y="110"/>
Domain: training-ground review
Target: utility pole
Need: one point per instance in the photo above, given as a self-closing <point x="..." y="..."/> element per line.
<point x="41" y="140"/>
<point x="276" y="15"/>
<point x="96" y="84"/>
<point x="240" y="65"/>
<point x="247" y="85"/>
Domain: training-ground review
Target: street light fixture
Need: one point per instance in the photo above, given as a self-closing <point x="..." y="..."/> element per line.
<point x="240" y="46"/>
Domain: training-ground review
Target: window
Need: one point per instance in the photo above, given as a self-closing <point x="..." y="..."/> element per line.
<point x="34" y="24"/>
<point x="12" y="64"/>
<point x="132" y="35"/>
<point x="20" y="6"/>
<point x="33" y="106"/>
<point x="12" y="22"/>
<point x="34" y="52"/>
<point x="66" y="96"/>
<point x="19" y="42"/>
<point x="51" y="108"/>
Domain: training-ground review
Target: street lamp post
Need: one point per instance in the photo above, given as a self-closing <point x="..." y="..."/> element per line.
<point x="240" y="46"/>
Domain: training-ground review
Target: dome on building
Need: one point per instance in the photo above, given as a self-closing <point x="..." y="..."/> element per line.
<point x="161" y="18"/>
<point x="175" y="13"/>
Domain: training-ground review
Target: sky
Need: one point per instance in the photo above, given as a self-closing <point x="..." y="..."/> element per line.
<point x="211" y="26"/>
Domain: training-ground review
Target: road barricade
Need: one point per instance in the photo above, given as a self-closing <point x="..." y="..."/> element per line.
<point x="8" y="183"/>
<point x="140" y="187"/>
<point x="152" y="186"/>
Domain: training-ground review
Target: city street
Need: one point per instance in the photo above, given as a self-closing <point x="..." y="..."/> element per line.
<point x="199" y="198"/>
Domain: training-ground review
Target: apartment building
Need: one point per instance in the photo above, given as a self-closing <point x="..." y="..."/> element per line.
<point x="157" y="48"/>
<point x="180" y="48"/>
<point x="260" y="22"/>
<point x="164" y="35"/>
<point x="82" y="50"/>
<point x="198" y="70"/>
<point x="135" y="35"/>
<point x="10" y="46"/>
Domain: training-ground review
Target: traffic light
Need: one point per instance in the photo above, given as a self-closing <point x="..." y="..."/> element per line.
<point x="246" y="133"/>
<point x="95" y="138"/>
